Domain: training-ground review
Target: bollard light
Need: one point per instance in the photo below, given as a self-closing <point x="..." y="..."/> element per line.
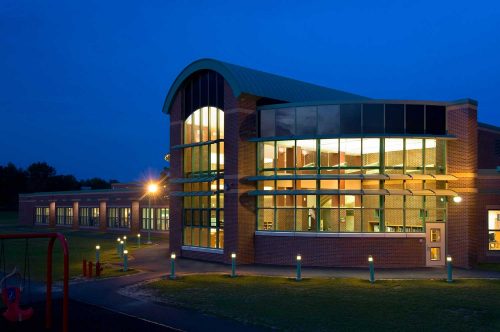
<point x="449" y="268"/>
<point x="125" y="260"/>
<point x="372" y="269"/>
<point x="299" y="268"/>
<point x="118" y="240"/>
<point x="97" y="250"/>
<point x="125" y="240"/>
<point x="122" y="247"/>
<point x="233" y="265"/>
<point x="139" y="240"/>
<point x="172" y="265"/>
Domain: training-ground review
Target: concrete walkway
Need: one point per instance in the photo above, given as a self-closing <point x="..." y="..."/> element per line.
<point x="154" y="262"/>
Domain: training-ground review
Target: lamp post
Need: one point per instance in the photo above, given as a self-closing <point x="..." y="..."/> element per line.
<point x="172" y="265"/>
<point x="449" y="268"/>
<point x="97" y="250"/>
<point x="372" y="269"/>
<point x="139" y="240"/>
<point x="299" y="268"/>
<point x="233" y="265"/>
<point x="125" y="260"/>
<point x="152" y="189"/>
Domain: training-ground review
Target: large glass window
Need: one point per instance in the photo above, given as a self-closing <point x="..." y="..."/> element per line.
<point x="64" y="216"/>
<point x="119" y="217"/>
<point x="394" y="156"/>
<point x="88" y="216"/>
<point x="306" y="120"/>
<point x="350" y="118"/>
<point x="395" y="118"/>
<point x="328" y="120"/>
<point x="285" y="121"/>
<point x="41" y="215"/>
<point x="203" y="214"/>
<point x="373" y="118"/>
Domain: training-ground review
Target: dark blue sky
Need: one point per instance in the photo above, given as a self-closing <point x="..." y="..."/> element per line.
<point x="82" y="83"/>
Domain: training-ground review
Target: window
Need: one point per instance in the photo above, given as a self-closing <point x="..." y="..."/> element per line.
<point x="415" y="119"/>
<point x="306" y="120"/>
<point x="267" y="123"/>
<point x="373" y="118"/>
<point x="394" y="119"/>
<point x="328" y="120"/>
<point x="332" y="185"/>
<point x="42" y="215"/>
<point x="350" y="118"/>
<point x="162" y="219"/>
<point x="64" y="216"/>
<point x="147" y="220"/>
<point x="203" y="214"/>
<point x="285" y="122"/>
<point x="494" y="229"/>
<point x="119" y="217"/>
<point x="435" y="120"/>
<point x="88" y="216"/>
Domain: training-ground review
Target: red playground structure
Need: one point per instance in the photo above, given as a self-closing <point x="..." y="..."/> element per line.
<point x="11" y="295"/>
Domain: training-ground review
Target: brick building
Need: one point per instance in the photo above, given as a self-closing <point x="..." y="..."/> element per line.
<point x="125" y="208"/>
<point x="269" y="167"/>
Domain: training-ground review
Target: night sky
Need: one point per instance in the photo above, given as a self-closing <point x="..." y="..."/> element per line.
<point x="82" y="83"/>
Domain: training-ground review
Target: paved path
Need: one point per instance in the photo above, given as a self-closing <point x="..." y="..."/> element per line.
<point x="154" y="262"/>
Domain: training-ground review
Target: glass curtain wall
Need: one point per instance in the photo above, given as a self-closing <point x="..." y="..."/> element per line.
<point x="353" y="177"/>
<point x="204" y="160"/>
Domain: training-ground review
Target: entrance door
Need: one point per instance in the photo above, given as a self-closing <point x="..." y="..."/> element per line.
<point x="435" y="238"/>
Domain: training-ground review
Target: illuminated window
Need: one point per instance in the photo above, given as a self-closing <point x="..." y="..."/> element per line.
<point x="88" y="216"/>
<point x="42" y="215"/>
<point x="119" y="217"/>
<point x="494" y="229"/>
<point x="64" y="216"/>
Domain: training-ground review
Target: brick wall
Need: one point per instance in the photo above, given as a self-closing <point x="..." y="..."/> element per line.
<point x="462" y="162"/>
<point x="347" y="251"/>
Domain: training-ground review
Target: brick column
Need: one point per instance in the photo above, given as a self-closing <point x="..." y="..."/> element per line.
<point x="462" y="162"/>
<point x="175" y="203"/>
<point x="240" y="156"/>
<point x="103" y="226"/>
<point x="135" y="221"/>
<point x="52" y="214"/>
<point x="76" y="214"/>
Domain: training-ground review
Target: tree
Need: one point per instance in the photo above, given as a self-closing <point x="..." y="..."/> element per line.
<point x="39" y="174"/>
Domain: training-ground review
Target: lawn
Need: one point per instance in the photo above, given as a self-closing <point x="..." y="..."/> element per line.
<point x="339" y="304"/>
<point x="81" y="245"/>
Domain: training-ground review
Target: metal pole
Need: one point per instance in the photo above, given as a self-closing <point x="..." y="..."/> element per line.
<point x="149" y="219"/>
<point x="172" y="266"/>
<point x="449" y="268"/>
<point x="125" y="261"/>
<point x="299" y="268"/>
<point x="233" y="265"/>
<point x="97" y="251"/>
<point x="372" y="269"/>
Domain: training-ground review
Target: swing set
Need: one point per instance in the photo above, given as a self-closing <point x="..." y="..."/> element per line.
<point x="12" y="292"/>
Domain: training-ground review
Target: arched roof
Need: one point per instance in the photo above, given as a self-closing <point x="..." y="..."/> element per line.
<point x="259" y="83"/>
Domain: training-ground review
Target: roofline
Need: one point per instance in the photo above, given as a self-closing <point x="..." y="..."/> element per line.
<point x="201" y="64"/>
<point x="482" y="125"/>
<point x="73" y="192"/>
<point x="355" y="101"/>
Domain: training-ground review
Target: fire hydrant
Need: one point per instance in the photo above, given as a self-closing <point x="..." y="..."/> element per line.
<point x="84" y="267"/>
<point x="90" y="270"/>
<point x="98" y="269"/>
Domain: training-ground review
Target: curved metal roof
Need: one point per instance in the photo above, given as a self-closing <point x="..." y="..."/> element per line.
<point x="259" y="83"/>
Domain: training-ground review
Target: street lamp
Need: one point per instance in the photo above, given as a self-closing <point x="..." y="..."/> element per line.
<point x="152" y="189"/>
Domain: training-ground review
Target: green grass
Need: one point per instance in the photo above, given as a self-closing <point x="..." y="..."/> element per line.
<point x="8" y="219"/>
<point x="489" y="266"/>
<point x="81" y="245"/>
<point x="340" y="304"/>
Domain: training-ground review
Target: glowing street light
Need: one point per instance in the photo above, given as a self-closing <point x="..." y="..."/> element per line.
<point x="152" y="189"/>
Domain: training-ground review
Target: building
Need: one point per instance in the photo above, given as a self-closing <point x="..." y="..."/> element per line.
<point x="331" y="175"/>
<point x="125" y="208"/>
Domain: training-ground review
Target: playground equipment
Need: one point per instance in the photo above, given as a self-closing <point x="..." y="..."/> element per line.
<point x="11" y="295"/>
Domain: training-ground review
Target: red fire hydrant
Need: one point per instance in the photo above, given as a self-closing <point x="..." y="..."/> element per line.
<point x="98" y="269"/>
<point x="84" y="267"/>
<point x="90" y="270"/>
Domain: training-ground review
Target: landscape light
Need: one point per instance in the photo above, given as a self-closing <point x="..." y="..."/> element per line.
<point x="298" y="276"/>
<point x="172" y="265"/>
<point x="299" y="257"/>
<point x="457" y="199"/>
<point x="372" y="269"/>
<point x="449" y="269"/>
<point x="233" y="255"/>
<point x="172" y="255"/>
